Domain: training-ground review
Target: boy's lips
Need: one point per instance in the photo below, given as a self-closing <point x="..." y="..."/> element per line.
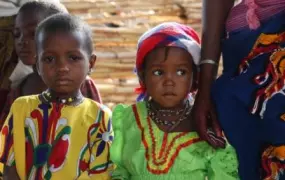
<point x="63" y="81"/>
<point x="24" y="53"/>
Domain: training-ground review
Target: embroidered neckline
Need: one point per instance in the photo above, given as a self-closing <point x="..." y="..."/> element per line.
<point x="46" y="97"/>
<point x="160" y="159"/>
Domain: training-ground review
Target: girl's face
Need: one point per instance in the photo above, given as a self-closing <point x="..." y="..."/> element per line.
<point x="63" y="61"/>
<point x="168" y="76"/>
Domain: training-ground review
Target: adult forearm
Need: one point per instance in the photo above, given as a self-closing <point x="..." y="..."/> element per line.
<point x="215" y="13"/>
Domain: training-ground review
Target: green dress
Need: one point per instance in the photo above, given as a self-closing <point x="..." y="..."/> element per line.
<point x="141" y="151"/>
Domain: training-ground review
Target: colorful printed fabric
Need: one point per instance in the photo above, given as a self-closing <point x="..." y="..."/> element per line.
<point x="249" y="97"/>
<point x="273" y="162"/>
<point x="56" y="141"/>
<point x="141" y="151"/>
<point x="167" y="34"/>
<point x="250" y="13"/>
<point x="88" y="89"/>
<point x="11" y="97"/>
<point x="8" y="58"/>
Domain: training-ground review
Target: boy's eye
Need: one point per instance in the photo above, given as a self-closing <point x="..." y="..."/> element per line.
<point x="181" y="72"/>
<point x="16" y="34"/>
<point x="157" y="72"/>
<point x="49" y="59"/>
<point x="74" y="58"/>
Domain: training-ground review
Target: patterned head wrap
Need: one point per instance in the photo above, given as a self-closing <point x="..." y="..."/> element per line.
<point x="168" y="34"/>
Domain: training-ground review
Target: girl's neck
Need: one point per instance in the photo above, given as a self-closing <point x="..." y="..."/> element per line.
<point x="178" y="107"/>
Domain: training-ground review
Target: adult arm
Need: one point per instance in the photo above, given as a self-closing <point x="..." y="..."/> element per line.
<point x="215" y="13"/>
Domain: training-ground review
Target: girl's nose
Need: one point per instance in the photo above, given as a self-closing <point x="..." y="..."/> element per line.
<point x="169" y="80"/>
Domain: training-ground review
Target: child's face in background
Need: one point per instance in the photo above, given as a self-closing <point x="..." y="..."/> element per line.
<point x="168" y="78"/>
<point x="24" y="32"/>
<point x="63" y="61"/>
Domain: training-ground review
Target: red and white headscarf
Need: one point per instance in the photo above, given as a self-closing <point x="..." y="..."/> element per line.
<point x="170" y="34"/>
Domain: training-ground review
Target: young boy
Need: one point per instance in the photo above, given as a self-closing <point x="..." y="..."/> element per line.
<point x="29" y="16"/>
<point x="59" y="134"/>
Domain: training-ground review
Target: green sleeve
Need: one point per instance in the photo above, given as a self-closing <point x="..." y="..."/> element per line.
<point x="223" y="164"/>
<point x="120" y="171"/>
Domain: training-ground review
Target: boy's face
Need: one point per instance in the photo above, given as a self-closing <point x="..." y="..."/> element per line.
<point x="63" y="61"/>
<point x="24" y="33"/>
<point x="168" y="78"/>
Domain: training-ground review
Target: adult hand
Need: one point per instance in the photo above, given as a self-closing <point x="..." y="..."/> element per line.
<point x="10" y="173"/>
<point x="206" y="121"/>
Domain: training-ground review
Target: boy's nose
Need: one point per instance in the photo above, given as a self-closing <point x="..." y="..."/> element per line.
<point x="23" y="41"/>
<point x="62" y="67"/>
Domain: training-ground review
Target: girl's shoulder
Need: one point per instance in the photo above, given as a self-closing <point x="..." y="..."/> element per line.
<point x="126" y="110"/>
<point x="125" y="114"/>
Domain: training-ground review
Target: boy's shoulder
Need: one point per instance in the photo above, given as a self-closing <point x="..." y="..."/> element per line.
<point x="91" y="104"/>
<point x="26" y="100"/>
<point x="23" y="104"/>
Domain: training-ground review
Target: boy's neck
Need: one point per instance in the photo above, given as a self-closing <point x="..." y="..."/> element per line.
<point x="35" y="69"/>
<point x="64" y="95"/>
<point x="74" y="99"/>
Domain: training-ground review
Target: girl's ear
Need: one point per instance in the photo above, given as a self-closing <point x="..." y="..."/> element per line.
<point x="141" y="76"/>
<point x="195" y="79"/>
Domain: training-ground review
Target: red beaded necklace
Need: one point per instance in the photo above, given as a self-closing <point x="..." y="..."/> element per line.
<point x="160" y="160"/>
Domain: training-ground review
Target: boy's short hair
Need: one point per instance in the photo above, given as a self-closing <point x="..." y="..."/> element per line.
<point x="66" y="23"/>
<point x="43" y="7"/>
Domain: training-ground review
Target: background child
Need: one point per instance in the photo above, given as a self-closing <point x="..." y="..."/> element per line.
<point x="156" y="138"/>
<point x="8" y="58"/>
<point x="29" y="16"/>
<point x="59" y="134"/>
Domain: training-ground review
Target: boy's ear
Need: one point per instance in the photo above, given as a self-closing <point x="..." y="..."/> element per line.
<point x="37" y="65"/>
<point x="92" y="61"/>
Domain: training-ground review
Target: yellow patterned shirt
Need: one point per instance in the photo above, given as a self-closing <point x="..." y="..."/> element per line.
<point x="57" y="141"/>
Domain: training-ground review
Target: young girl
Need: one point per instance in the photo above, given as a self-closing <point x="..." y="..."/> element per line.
<point x="59" y="134"/>
<point x="29" y="16"/>
<point x="155" y="138"/>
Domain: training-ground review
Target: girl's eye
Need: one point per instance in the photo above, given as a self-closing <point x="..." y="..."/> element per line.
<point x="181" y="72"/>
<point x="74" y="58"/>
<point x="49" y="59"/>
<point x="157" y="72"/>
